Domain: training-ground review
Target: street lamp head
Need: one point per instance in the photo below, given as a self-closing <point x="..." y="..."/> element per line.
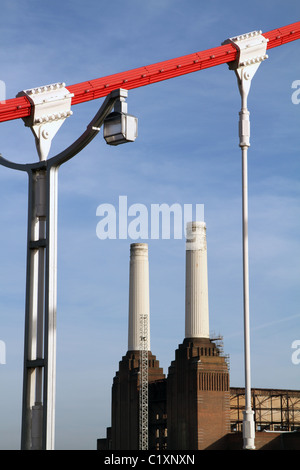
<point x="120" y="127"/>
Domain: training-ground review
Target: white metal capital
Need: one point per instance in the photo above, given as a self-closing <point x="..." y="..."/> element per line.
<point x="251" y="49"/>
<point x="51" y="105"/>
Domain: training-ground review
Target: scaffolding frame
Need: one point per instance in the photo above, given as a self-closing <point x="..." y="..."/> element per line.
<point x="143" y="389"/>
<point x="275" y="410"/>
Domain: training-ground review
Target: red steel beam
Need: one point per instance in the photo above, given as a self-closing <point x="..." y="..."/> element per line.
<point x="86" y="91"/>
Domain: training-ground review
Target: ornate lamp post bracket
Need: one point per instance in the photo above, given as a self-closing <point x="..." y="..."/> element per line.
<point x="251" y="49"/>
<point x="51" y="105"/>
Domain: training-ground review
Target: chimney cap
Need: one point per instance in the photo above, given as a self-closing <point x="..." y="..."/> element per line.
<point x="196" y="235"/>
<point x="195" y="224"/>
<point x="137" y="249"/>
<point x="141" y="245"/>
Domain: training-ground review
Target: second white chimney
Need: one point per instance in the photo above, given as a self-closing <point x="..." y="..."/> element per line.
<point x="196" y="289"/>
<point x="139" y="303"/>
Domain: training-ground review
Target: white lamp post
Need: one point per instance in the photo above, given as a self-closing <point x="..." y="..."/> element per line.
<point x="251" y="52"/>
<point x="50" y="107"/>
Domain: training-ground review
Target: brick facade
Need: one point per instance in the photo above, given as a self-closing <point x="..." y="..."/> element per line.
<point x="195" y="407"/>
<point x="125" y="400"/>
<point x="198" y="392"/>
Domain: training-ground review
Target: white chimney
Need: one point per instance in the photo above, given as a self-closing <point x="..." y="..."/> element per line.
<point x="139" y="304"/>
<point x="196" y="289"/>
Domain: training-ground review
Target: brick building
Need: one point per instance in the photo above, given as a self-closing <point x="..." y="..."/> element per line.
<point x="194" y="407"/>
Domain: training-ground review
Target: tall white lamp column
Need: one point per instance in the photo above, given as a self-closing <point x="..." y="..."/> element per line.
<point x="251" y="52"/>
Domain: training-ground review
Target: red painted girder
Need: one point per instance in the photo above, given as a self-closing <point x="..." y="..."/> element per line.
<point x="86" y="91"/>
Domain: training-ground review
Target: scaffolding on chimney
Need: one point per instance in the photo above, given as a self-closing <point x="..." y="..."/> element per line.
<point x="219" y="341"/>
<point x="143" y="390"/>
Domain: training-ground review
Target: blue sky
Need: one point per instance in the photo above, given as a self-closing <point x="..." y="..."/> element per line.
<point x="187" y="152"/>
